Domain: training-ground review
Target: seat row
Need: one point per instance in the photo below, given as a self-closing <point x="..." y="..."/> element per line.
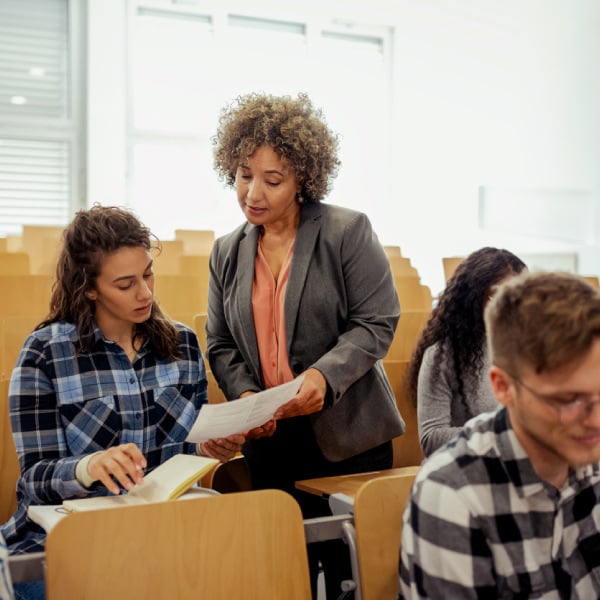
<point x="36" y="249"/>
<point x="261" y="532"/>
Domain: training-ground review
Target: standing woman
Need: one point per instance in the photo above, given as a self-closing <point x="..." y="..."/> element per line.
<point x="301" y="287"/>
<point x="107" y="387"/>
<point x="448" y="374"/>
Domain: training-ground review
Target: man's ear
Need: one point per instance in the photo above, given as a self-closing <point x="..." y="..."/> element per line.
<point x="501" y="385"/>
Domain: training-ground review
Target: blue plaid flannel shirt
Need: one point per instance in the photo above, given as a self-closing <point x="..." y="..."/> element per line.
<point x="66" y="403"/>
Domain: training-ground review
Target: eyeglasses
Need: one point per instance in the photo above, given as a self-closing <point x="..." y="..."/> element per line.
<point x="570" y="407"/>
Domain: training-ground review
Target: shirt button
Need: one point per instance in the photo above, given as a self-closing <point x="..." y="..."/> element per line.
<point x="138" y="415"/>
<point x="131" y="380"/>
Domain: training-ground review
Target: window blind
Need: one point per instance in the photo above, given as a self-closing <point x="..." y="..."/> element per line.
<point x="33" y="58"/>
<point x="35" y="114"/>
<point x="34" y="183"/>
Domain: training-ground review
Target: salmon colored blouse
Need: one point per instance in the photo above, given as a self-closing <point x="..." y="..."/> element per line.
<point x="268" y="298"/>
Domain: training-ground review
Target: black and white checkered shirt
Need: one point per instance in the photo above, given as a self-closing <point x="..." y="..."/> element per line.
<point x="482" y="524"/>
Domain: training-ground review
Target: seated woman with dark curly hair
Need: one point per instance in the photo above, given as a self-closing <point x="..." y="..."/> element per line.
<point x="447" y="376"/>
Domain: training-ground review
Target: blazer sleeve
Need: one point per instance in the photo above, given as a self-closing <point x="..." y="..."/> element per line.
<point x="371" y="305"/>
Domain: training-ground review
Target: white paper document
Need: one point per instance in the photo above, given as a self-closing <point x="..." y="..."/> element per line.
<point x="238" y="416"/>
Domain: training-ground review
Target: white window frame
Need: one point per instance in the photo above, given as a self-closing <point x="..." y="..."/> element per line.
<point x="314" y="27"/>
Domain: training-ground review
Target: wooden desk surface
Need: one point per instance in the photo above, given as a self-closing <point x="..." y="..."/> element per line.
<point x="347" y="484"/>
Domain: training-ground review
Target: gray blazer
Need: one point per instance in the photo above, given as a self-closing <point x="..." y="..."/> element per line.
<point x="341" y="310"/>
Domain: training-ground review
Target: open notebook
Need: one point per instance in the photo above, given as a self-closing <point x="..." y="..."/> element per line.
<point x="167" y="482"/>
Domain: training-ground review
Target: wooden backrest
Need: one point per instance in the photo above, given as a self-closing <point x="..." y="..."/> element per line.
<point x="196" y="241"/>
<point x="407" y="449"/>
<point x="13" y="331"/>
<point x="194" y="264"/>
<point x="42" y="243"/>
<point x="407" y="334"/>
<point x="185" y="318"/>
<point x="412" y="293"/>
<point x="392" y="250"/>
<point x="25" y="295"/>
<point x="14" y="263"/>
<point x="14" y="243"/>
<point x="9" y="462"/>
<point x="450" y="263"/>
<point x="215" y="393"/>
<point x="46" y="264"/>
<point x="401" y="266"/>
<point x="200" y="329"/>
<point x="167" y="261"/>
<point x="378" y="509"/>
<point x="182" y="294"/>
<point x="247" y="545"/>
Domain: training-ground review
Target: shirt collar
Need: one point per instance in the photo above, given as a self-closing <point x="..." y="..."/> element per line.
<point x="518" y="466"/>
<point x="99" y="338"/>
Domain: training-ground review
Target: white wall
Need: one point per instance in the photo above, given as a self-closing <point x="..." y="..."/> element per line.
<point x="499" y="93"/>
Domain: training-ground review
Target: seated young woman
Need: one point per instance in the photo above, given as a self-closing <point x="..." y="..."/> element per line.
<point x="107" y="387"/>
<point x="448" y="374"/>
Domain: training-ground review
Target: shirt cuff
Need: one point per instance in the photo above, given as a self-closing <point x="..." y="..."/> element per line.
<point x="81" y="472"/>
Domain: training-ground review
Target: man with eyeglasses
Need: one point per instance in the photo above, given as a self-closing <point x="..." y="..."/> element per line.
<point x="509" y="508"/>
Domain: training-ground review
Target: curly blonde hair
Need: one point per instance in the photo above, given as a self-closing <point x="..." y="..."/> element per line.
<point x="292" y="127"/>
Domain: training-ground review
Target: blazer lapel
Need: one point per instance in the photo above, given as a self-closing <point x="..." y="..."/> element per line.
<point x="306" y="237"/>
<point x="245" y="279"/>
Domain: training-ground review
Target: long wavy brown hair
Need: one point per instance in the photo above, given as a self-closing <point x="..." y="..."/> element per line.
<point x="456" y="323"/>
<point x="91" y="236"/>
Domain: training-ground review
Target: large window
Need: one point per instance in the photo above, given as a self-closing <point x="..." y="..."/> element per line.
<point x="40" y="133"/>
<point x="186" y="63"/>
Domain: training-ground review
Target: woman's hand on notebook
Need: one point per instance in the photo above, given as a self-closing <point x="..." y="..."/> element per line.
<point x="124" y="464"/>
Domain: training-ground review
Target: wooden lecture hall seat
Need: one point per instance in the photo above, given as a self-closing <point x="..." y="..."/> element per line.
<point x="13" y="331"/>
<point x="25" y="295"/>
<point x="378" y="508"/>
<point x="194" y="264"/>
<point x="407" y="449"/>
<point x="182" y="294"/>
<point x="407" y="333"/>
<point x="167" y="261"/>
<point x="412" y="293"/>
<point x="200" y="329"/>
<point x="401" y="266"/>
<point x="196" y="241"/>
<point x="247" y="545"/>
<point x="450" y="263"/>
<point x="14" y="263"/>
<point x="9" y="463"/>
<point x="374" y="502"/>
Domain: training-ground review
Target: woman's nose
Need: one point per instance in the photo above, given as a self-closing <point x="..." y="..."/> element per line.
<point x="145" y="290"/>
<point x="253" y="190"/>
